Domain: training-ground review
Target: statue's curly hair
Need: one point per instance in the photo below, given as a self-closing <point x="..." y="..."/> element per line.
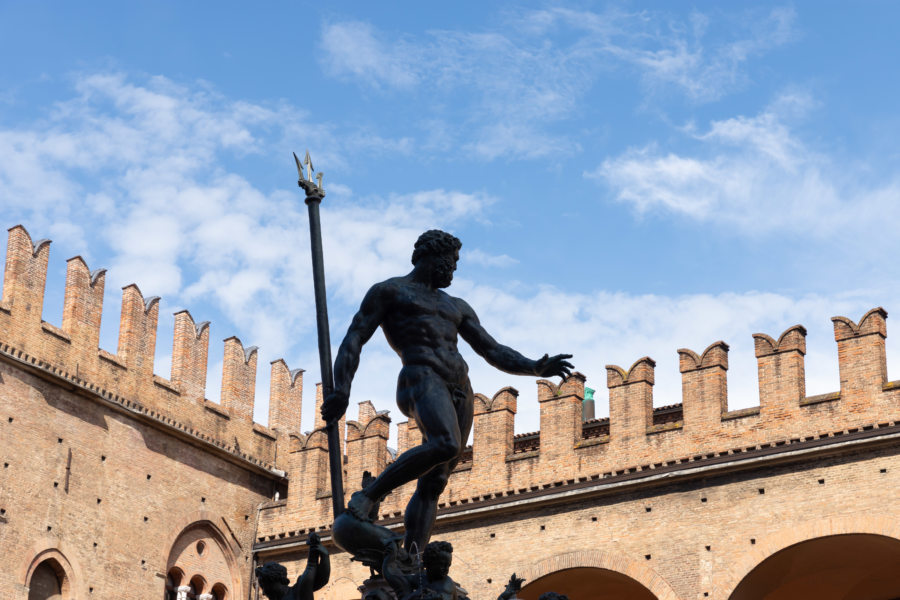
<point x="434" y="551"/>
<point x="553" y="596"/>
<point x="273" y="572"/>
<point x="434" y="241"/>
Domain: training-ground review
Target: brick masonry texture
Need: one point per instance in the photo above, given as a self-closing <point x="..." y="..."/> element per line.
<point x="115" y="473"/>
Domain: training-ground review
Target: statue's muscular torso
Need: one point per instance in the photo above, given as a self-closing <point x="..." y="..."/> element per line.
<point x="422" y="325"/>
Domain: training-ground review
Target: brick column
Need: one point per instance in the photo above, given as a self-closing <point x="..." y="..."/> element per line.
<point x="782" y="373"/>
<point x="704" y="389"/>
<point x="630" y="401"/>
<point x="560" y="418"/>
<point x="861" y="358"/>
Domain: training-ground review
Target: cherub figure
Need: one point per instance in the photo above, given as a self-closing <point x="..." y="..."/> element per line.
<point x="437" y="559"/>
<point x="432" y="582"/>
<point x="275" y="585"/>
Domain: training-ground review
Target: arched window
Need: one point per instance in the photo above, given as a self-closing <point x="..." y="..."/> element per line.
<point x="198" y="585"/>
<point x="219" y="592"/>
<point x="48" y="582"/>
<point x="173" y="581"/>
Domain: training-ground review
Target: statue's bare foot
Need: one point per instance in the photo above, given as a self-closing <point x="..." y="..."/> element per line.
<point x="360" y="506"/>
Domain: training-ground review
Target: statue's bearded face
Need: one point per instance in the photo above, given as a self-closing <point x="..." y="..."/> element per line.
<point x="443" y="266"/>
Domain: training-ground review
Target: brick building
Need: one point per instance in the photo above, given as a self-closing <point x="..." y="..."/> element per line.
<point x="117" y="481"/>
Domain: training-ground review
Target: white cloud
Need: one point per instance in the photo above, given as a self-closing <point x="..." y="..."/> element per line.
<point x="756" y="175"/>
<point x="136" y="174"/>
<point x="479" y="257"/>
<point x="173" y="217"/>
<point x="681" y="57"/>
<point x="602" y="328"/>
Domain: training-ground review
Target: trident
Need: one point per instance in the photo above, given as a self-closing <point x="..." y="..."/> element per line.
<point x="314" y="195"/>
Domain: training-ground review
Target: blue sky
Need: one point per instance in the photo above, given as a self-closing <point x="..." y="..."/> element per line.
<point x="627" y="179"/>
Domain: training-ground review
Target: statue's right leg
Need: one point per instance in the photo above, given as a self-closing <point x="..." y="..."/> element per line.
<point x="421" y="389"/>
<point x="422" y="508"/>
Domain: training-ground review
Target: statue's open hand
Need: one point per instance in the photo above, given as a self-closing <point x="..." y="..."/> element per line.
<point x="334" y="406"/>
<point x="553" y="366"/>
<point x="512" y="588"/>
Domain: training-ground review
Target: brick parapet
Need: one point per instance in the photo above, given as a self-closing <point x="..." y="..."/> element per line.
<point x="635" y="437"/>
<point x="71" y="350"/>
<point x="638" y="437"/>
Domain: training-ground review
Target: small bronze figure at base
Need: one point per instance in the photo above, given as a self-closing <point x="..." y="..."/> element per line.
<point x="431" y="580"/>
<point x="275" y="585"/>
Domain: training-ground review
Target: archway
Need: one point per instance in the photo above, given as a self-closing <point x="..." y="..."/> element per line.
<point x="48" y="582"/>
<point x="856" y="565"/>
<point x="219" y="592"/>
<point x="173" y="582"/>
<point x="605" y="567"/>
<point x="50" y="576"/>
<point x="587" y="582"/>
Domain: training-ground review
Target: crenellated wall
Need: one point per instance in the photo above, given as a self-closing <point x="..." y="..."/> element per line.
<point x="676" y="497"/>
<point x="127" y="376"/>
<point x="635" y="438"/>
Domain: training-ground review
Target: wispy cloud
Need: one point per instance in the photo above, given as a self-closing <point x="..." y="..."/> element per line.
<point x="513" y="82"/>
<point x="356" y="50"/>
<point x="479" y="257"/>
<point x="756" y="175"/>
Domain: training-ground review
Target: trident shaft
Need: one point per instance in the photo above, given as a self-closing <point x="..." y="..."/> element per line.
<point x="314" y="196"/>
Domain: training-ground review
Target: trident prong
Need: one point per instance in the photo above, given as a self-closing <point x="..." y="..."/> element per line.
<point x="319" y="176"/>
<point x="309" y="166"/>
<point x="299" y="167"/>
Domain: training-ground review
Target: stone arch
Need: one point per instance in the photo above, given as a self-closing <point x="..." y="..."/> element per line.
<point x="56" y="562"/>
<point x="218" y="562"/>
<point x="220" y="592"/>
<point x="198" y="584"/>
<point x="727" y="582"/>
<point x="174" y="579"/>
<point x="598" y="559"/>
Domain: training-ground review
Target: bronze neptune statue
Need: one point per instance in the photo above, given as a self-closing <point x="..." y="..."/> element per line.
<point x="422" y="323"/>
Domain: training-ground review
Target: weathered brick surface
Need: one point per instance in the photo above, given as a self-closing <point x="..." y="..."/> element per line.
<point x="112" y="492"/>
<point x="614" y="529"/>
<point x="113" y="473"/>
<point x="638" y="440"/>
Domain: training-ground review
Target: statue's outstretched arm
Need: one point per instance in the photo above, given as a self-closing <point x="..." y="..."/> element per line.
<point x="504" y="357"/>
<point x="365" y="322"/>
<point x="323" y="568"/>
